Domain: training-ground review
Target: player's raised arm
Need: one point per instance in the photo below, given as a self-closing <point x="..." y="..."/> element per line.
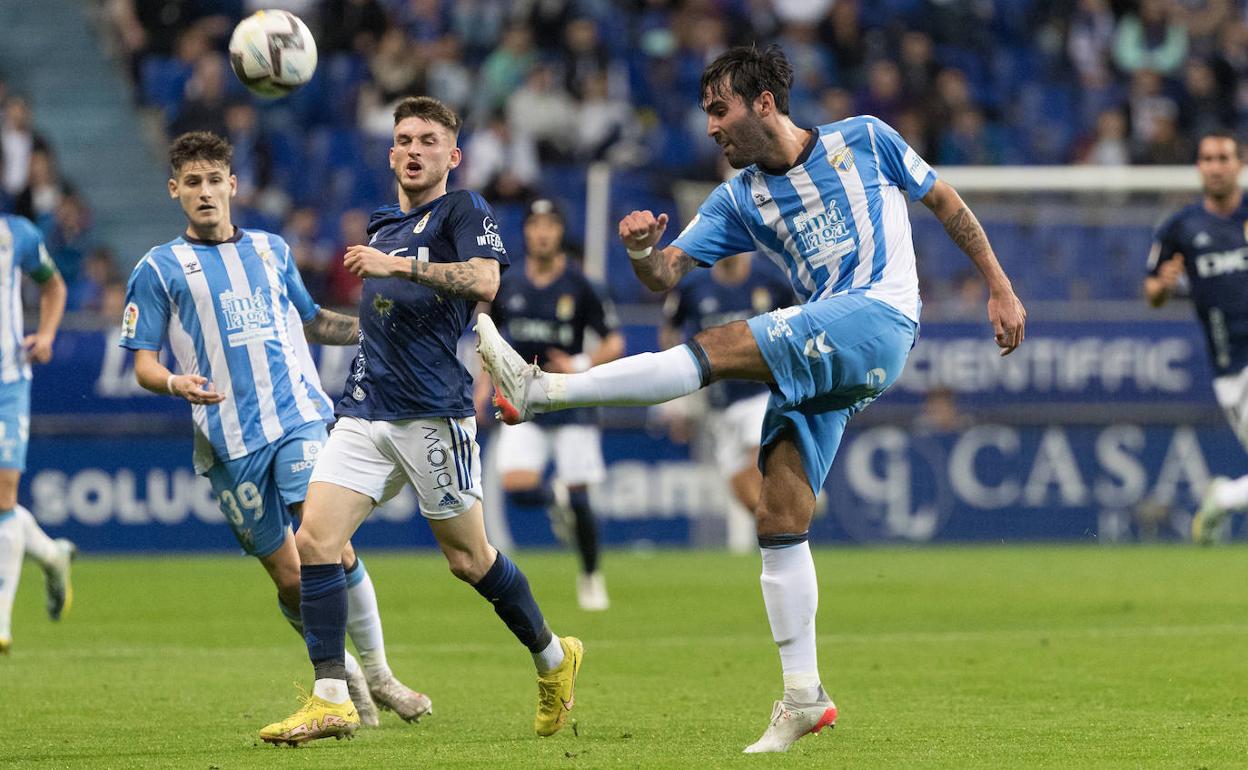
<point x="330" y="328"/>
<point x="475" y="279"/>
<point x="1005" y="311"/>
<point x="658" y="269"/>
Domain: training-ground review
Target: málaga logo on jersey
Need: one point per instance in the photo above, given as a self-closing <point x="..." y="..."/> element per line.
<point x="842" y="159"/>
<point x="823" y="237"/>
<point x="247" y="317"/>
<point x="491" y="237"/>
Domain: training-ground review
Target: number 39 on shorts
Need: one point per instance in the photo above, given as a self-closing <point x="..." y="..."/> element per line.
<point x="243" y="503"/>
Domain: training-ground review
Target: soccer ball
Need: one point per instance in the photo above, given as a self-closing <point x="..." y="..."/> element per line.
<point x="272" y="53"/>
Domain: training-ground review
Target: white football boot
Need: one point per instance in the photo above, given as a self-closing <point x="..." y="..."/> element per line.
<point x="591" y="592"/>
<point x="790" y="722"/>
<point x="357" y="687"/>
<point x="393" y="695"/>
<point x="1209" y="515"/>
<point x="520" y="389"/>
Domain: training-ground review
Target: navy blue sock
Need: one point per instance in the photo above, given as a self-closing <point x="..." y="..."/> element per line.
<point x="506" y="587"/>
<point x="324" y="609"/>
<point x="537" y="497"/>
<point x="586" y="528"/>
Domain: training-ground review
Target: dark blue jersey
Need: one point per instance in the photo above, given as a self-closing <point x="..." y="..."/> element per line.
<point x="701" y="302"/>
<point x="406" y="365"/>
<point x="1215" y="251"/>
<point x="534" y="320"/>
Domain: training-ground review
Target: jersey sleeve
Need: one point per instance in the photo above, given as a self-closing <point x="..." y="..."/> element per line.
<point x="473" y="230"/>
<point x="599" y="311"/>
<point x="1165" y="243"/>
<point x="32" y="253"/>
<point x="717" y="231"/>
<point x="146" y="317"/>
<point x="899" y="163"/>
<point x="298" y="293"/>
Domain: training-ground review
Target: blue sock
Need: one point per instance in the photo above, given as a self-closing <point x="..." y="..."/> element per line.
<point x="324" y="609"/>
<point x="508" y="590"/>
<point x="537" y="497"/>
<point x="586" y="529"/>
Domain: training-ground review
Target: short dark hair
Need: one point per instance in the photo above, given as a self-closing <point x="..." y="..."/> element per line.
<point x="748" y="72"/>
<point x="430" y="109"/>
<point x="199" y="145"/>
<point x="1220" y="133"/>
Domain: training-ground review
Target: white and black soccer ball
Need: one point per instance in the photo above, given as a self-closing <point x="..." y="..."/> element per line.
<point x="272" y="53"/>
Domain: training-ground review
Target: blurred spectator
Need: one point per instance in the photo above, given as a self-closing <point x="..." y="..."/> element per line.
<point x="1204" y="107"/>
<point x="834" y="104"/>
<point x="801" y="11"/>
<point x="542" y="111"/>
<point x="44" y="189"/>
<point x="917" y="65"/>
<point x="112" y="302"/>
<point x="605" y="127"/>
<point x="1151" y="39"/>
<point x="350" y="26"/>
<point x="970" y="141"/>
<point x="1089" y="41"/>
<point x="584" y="56"/>
<point x="70" y="239"/>
<point x="941" y="414"/>
<point x="504" y="70"/>
<point x="914" y="129"/>
<point x="396" y="67"/>
<point x="1167" y="146"/>
<point x="18" y="142"/>
<point x="343" y="289"/>
<point x="1109" y="145"/>
<point x="99" y="269"/>
<point x="479" y="24"/>
<point x="883" y="96"/>
<point x="493" y="151"/>
<point x="814" y="69"/>
<point x="204" y="106"/>
<point x="153" y="27"/>
<point x="253" y="156"/>
<point x="447" y="78"/>
<point x="549" y="20"/>
<point x="952" y="97"/>
<point x="423" y="21"/>
<point x="313" y="253"/>
<point x="848" y="41"/>
<point x="1149" y="103"/>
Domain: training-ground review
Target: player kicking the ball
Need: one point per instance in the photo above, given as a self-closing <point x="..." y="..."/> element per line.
<point x="236" y="312"/>
<point x="406" y="417"/>
<point x="828" y="205"/>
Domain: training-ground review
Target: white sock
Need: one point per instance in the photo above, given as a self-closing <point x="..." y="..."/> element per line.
<point x="353" y="665"/>
<point x="549" y="658"/>
<point x="640" y="380"/>
<point x="11" y="552"/>
<point x="1232" y="494"/>
<point x="791" y="594"/>
<point x="332" y="690"/>
<point x="364" y="624"/>
<point x="39" y="546"/>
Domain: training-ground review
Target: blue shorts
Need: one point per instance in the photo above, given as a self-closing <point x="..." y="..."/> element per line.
<point x="14" y="424"/>
<point x="255" y="492"/>
<point x="829" y="359"/>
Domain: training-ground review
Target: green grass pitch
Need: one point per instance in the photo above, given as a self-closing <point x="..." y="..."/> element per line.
<point x="985" y="657"/>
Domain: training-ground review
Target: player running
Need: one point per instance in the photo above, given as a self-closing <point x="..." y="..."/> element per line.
<point x="238" y="317"/>
<point x="22" y="251"/>
<point x="732" y="290"/>
<point x="1208" y="241"/>
<point x="545" y="310"/>
<point x="828" y="205"/>
<point x="406" y="417"/>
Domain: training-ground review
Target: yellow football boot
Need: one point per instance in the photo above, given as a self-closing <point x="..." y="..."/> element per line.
<point x="5" y="645"/>
<point x="316" y="718"/>
<point x="556" y="690"/>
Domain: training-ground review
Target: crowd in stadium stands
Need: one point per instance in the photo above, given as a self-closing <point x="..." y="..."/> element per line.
<point x="31" y="184"/>
<point x="546" y="86"/>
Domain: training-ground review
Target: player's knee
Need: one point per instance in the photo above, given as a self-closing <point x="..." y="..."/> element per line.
<point x="8" y="490"/>
<point x="466" y="566"/>
<point x="312" y="550"/>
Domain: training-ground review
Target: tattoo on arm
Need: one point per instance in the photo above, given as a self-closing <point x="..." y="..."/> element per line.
<point x="330" y="328"/>
<point x="470" y="279"/>
<point x="660" y="272"/>
<point x="966" y="232"/>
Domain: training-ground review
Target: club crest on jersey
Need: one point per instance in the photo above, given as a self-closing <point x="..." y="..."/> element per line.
<point x="565" y="308"/>
<point x="247" y="317"/>
<point x="491" y="237"/>
<point x="130" y="321"/>
<point x="841" y="159"/>
<point x="420" y="226"/>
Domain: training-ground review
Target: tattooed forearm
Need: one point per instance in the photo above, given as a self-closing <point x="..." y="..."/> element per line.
<point x="475" y="279"/>
<point x="330" y="328"/>
<point x="662" y="269"/>
<point x="966" y="232"/>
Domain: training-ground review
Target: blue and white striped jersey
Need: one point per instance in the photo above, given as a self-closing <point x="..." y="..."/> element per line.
<point x="21" y="251"/>
<point x="836" y="223"/>
<point x="234" y="313"/>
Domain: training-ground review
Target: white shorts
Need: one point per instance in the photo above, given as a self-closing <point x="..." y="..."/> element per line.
<point x="1232" y="394"/>
<point x="577" y="451"/>
<point x="438" y="456"/>
<point x="737" y="432"/>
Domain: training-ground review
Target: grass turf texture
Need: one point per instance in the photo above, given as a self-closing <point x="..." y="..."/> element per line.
<point x="939" y="657"/>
